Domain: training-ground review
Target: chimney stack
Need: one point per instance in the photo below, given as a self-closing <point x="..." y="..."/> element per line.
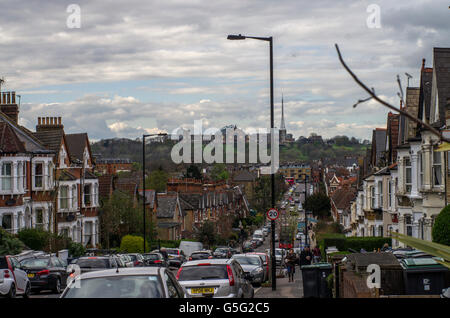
<point x="49" y="123"/>
<point x="8" y="105"/>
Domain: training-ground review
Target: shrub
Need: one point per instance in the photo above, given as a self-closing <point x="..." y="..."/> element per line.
<point x="76" y="249"/>
<point x="132" y="244"/>
<point x="35" y="239"/>
<point x="9" y="245"/>
<point x="367" y="243"/>
<point x="441" y="227"/>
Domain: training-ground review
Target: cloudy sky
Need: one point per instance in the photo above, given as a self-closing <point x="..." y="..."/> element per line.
<point x="139" y="66"/>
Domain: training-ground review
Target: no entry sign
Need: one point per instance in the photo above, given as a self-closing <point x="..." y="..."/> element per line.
<point x="273" y="214"/>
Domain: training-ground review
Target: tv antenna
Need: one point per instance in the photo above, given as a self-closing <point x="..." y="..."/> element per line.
<point x="409" y="77"/>
<point x="2" y="80"/>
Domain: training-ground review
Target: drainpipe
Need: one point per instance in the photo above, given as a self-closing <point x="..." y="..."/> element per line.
<point x="31" y="190"/>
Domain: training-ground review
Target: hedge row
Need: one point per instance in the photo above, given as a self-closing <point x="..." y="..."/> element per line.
<point x="357" y="243"/>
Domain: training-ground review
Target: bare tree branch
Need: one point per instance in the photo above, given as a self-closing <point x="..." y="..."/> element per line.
<point x="401" y="111"/>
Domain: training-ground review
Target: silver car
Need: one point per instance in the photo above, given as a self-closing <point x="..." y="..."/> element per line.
<point x="136" y="282"/>
<point x="253" y="267"/>
<point x="218" y="278"/>
<point x="13" y="280"/>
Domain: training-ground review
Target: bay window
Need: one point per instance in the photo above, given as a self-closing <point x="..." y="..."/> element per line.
<point x="64" y="197"/>
<point x="408" y="179"/>
<point x="6" y="176"/>
<point x="437" y="169"/>
<point x="38" y="174"/>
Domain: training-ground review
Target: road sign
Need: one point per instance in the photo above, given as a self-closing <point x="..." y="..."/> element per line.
<point x="273" y="214"/>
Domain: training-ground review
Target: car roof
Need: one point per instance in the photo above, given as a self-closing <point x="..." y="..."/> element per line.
<point x="247" y="255"/>
<point x="93" y="257"/>
<point x="214" y="261"/>
<point x="202" y="251"/>
<point x="121" y="272"/>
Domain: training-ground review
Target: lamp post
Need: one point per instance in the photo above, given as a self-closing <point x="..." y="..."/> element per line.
<point x="143" y="175"/>
<point x="270" y="40"/>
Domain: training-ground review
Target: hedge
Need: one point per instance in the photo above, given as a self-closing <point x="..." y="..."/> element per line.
<point x="441" y="227"/>
<point x="132" y="244"/>
<point x="356" y="243"/>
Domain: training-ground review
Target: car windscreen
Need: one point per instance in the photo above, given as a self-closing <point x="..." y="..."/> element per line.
<point x="151" y="256"/>
<point x="93" y="263"/>
<point x="244" y="260"/>
<point x="203" y="272"/>
<point x="35" y="262"/>
<point x="172" y="251"/>
<point x="135" y="286"/>
<point x="221" y="250"/>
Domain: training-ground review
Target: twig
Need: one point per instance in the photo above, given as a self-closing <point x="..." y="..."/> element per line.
<point x="417" y="120"/>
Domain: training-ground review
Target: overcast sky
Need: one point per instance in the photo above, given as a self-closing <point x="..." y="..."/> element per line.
<point x="139" y="66"/>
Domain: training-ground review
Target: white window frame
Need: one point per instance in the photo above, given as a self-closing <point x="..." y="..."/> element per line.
<point x="408" y="167"/>
<point x="438" y="167"/>
<point x="6" y="177"/>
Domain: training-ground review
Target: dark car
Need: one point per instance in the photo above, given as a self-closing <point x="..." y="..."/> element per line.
<point x="95" y="263"/>
<point x="45" y="273"/>
<point x="198" y="255"/>
<point x="137" y="259"/>
<point x="155" y="259"/>
<point x="222" y="252"/>
<point x="248" y="247"/>
<point x="176" y="256"/>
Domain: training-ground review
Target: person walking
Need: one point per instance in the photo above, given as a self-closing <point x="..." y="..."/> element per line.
<point x="290" y="261"/>
<point x="305" y="257"/>
<point x="317" y="254"/>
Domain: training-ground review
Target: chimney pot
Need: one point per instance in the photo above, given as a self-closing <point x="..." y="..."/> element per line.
<point x="8" y="95"/>
<point x="13" y="97"/>
<point x="47" y="120"/>
<point x="39" y="120"/>
<point x="59" y="120"/>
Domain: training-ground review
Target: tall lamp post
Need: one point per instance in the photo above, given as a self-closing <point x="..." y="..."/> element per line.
<point x="270" y="40"/>
<point x="143" y="176"/>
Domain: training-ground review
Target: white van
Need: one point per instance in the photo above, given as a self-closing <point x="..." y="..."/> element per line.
<point x="188" y="247"/>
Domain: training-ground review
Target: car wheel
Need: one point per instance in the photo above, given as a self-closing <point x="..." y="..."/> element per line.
<point x="12" y="292"/>
<point x="27" y="291"/>
<point x="57" y="288"/>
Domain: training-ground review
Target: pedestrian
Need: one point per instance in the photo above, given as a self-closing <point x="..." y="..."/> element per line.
<point x="164" y="253"/>
<point x="317" y="254"/>
<point x="386" y="248"/>
<point x="305" y="257"/>
<point x="290" y="260"/>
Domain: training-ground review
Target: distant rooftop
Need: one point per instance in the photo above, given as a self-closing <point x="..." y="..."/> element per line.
<point x="112" y="160"/>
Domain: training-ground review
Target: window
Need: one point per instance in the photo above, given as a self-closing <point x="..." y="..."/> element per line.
<point x="18" y="176"/>
<point x="196" y="216"/>
<point x="19" y="221"/>
<point x="39" y="219"/>
<point x="7" y="222"/>
<point x="437" y="169"/>
<point x="24" y="175"/>
<point x="38" y="174"/>
<point x="421" y="168"/>
<point x="87" y="195"/>
<point x="408" y="224"/>
<point x="6" y="176"/>
<point x="74" y="196"/>
<point x="380" y="230"/>
<point x="64" y="197"/>
<point x="408" y="180"/>
<point x="171" y="288"/>
<point x="50" y="174"/>
<point x="372" y="197"/>
<point x="390" y="194"/>
<point x="380" y="194"/>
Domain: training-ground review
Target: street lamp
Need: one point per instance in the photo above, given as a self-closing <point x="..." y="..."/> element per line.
<point x="143" y="175"/>
<point x="270" y="40"/>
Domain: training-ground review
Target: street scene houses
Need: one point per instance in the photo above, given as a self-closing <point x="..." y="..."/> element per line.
<point x="47" y="177"/>
<point x="402" y="182"/>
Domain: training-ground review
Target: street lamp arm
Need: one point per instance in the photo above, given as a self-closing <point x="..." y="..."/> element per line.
<point x="243" y="37"/>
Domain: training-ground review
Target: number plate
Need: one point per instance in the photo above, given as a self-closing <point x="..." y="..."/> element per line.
<point x="31" y="275"/>
<point x="202" y="290"/>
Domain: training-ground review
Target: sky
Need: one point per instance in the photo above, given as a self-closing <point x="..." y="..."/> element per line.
<point x="139" y="67"/>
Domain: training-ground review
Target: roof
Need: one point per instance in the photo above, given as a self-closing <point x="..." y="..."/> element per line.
<point x="193" y="199"/>
<point x="425" y="93"/>
<point x="168" y="225"/>
<point x="9" y="142"/>
<point x="378" y="145"/>
<point x="105" y="185"/>
<point x="245" y="176"/>
<point x="76" y="144"/>
<point x="66" y="176"/>
<point x="52" y="139"/>
<point x="167" y="205"/>
<point x="342" y="197"/>
<point x="441" y="67"/>
<point x="393" y="122"/>
<point x="150" y="196"/>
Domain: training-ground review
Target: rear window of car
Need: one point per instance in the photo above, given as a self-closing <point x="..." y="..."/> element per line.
<point x="203" y="254"/>
<point x="206" y="272"/>
<point x="172" y="251"/>
<point x="3" y="263"/>
<point x="93" y="263"/>
<point x="35" y="262"/>
<point x="248" y="260"/>
<point x="151" y="256"/>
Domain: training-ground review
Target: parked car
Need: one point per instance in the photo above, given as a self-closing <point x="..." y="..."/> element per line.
<point x="252" y="266"/>
<point x="248" y="247"/>
<point x="13" y="280"/>
<point x="126" y="259"/>
<point x="176" y="256"/>
<point x="265" y="259"/>
<point x="218" y="278"/>
<point x="136" y="282"/>
<point x="279" y="255"/>
<point x="222" y="252"/>
<point x="137" y="259"/>
<point x="94" y="263"/>
<point x="155" y="259"/>
<point x="45" y="273"/>
<point x="197" y="255"/>
<point x="258" y="237"/>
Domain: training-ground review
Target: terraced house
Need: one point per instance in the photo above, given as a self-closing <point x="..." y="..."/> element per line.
<point x="47" y="177"/>
<point x="404" y="187"/>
